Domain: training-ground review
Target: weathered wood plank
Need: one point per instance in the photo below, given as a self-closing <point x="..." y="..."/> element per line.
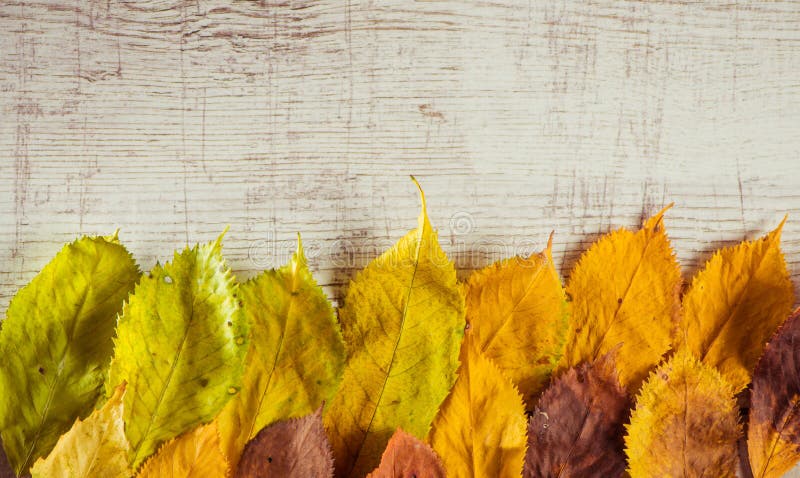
<point x="171" y="119"/>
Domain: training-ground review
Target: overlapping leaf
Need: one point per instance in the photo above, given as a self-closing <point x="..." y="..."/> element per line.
<point x="735" y="305"/>
<point x="517" y="313"/>
<point x="93" y="447"/>
<point x="180" y="346"/>
<point x="578" y="425"/>
<point x="685" y="423"/>
<point x="773" y="434"/>
<point x="295" y="448"/>
<point x="408" y="457"/>
<point x="480" y="429"/>
<point x="296" y="354"/>
<point x="56" y="343"/>
<point x="195" y="454"/>
<point x="403" y="320"/>
<point x="625" y="294"/>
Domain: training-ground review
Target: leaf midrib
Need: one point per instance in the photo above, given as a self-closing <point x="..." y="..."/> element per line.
<point x="394" y="350"/>
<point x="167" y="382"/>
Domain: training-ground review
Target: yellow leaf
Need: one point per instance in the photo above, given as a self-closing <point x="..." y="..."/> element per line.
<point x="685" y="423"/>
<point x="624" y="293"/>
<point x="735" y="305"/>
<point x="195" y="454"/>
<point x="296" y="355"/>
<point x="517" y="314"/>
<point x="93" y="447"/>
<point x="403" y="320"/>
<point x="480" y="430"/>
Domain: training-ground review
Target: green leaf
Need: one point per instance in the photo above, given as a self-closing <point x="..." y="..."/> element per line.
<point x="403" y="321"/>
<point x="56" y="343"/>
<point x="296" y="353"/>
<point x="181" y="344"/>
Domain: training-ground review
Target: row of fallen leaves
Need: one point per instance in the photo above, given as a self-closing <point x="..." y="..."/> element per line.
<point x="618" y="373"/>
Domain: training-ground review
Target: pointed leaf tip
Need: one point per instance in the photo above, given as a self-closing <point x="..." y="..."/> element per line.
<point x="421" y="194"/>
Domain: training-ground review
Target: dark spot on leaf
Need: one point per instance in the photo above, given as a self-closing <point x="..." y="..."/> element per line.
<point x="41" y="370"/>
<point x="203" y="381"/>
<point x="269" y="459"/>
<point x="619" y="301"/>
<point x="229" y="324"/>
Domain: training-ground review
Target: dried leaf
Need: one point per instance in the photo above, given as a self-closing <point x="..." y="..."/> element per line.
<point x="773" y="434"/>
<point x="180" y="346"/>
<point x="517" y="313"/>
<point x="577" y="428"/>
<point x="296" y="354"/>
<point x="94" y="447"/>
<point x="56" y="343"/>
<point x="480" y="429"/>
<point x="296" y="448"/>
<point x="408" y="457"/>
<point x="403" y="321"/>
<point x="685" y="423"/>
<point x="195" y="454"/>
<point x="625" y="293"/>
<point x="735" y="305"/>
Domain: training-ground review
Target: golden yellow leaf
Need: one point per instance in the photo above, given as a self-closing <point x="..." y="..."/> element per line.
<point x="480" y="429"/>
<point x="735" y="305"/>
<point x="403" y="321"/>
<point x="624" y="294"/>
<point x="685" y="423"/>
<point x="195" y="454"/>
<point x="93" y="447"/>
<point x="296" y="353"/>
<point x="517" y="314"/>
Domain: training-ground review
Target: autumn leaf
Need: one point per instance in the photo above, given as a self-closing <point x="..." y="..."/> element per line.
<point x="517" y="313"/>
<point x="685" y="423"/>
<point x="408" y="457"/>
<point x="625" y="293"/>
<point x="773" y="433"/>
<point x="403" y="320"/>
<point x="735" y="305"/>
<point x="56" y="343"/>
<point x="578" y="425"/>
<point x="195" y="454"/>
<point x="94" y="447"/>
<point x="180" y="346"/>
<point x="295" y="448"/>
<point x="296" y="353"/>
<point x="480" y="429"/>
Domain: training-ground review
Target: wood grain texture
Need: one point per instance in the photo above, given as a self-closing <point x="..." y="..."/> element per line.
<point x="173" y="118"/>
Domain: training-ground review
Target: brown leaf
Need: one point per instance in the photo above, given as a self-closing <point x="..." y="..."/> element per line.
<point x="5" y="467"/>
<point x="408" y="457"/>
<point x="773" y="436"/>
<point x="577" y="428"/>
<point x="296" y="448"/>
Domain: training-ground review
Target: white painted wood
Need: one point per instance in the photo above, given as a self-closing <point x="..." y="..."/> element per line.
<point x="172" y="118"/>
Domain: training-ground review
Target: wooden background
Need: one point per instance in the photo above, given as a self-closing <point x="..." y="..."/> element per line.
<point x="173" y="118"/>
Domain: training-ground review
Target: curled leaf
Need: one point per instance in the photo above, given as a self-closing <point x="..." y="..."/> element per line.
<point x="403" y="320"/>
<point x="773" y="433"/>
<point x="578" y="425"/>
<point x="195" y="454"/>
<point x="295" y="448"/>
<point x="625" y="294"/>
<point x="735" y="305"/>
<point x="685" y="423"/>
<point x="180" y="346"/>
<point x="93" y="447"/>
<point x="408" y="457"/>
<point x="56" y="343"/>
<point x="517" y="313"/>
<point x="480" y="429"/>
